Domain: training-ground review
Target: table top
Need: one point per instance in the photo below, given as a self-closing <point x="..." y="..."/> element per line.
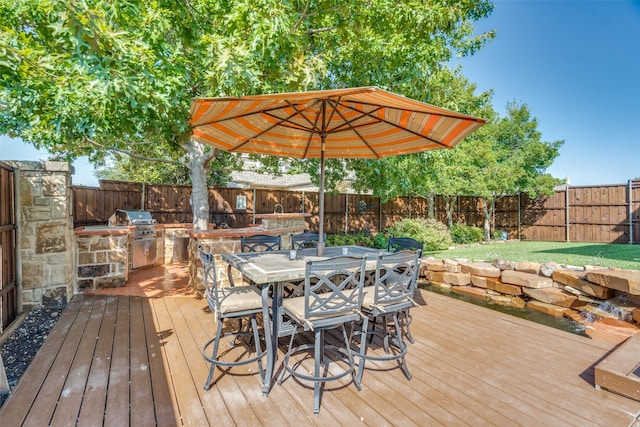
<point x="275" y="266"/>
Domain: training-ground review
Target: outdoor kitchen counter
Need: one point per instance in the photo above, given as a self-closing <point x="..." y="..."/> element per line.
<point x="102" y="230"/>
<point x="219" y="233"/>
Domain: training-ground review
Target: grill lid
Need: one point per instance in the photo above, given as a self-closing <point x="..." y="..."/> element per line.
<point x="125" y="217"/>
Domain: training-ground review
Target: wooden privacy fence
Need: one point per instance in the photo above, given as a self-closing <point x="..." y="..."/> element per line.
<point x="579" y="214"/>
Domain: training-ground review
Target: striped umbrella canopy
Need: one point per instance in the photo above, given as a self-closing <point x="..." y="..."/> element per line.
<point x="355" y="123"/>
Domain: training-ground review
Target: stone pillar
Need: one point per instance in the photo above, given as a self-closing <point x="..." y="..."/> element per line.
<point x="46" y="232"/>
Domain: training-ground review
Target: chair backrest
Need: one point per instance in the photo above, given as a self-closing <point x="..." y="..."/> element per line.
<point x="396" y="276"/>
<point x="401" y="243"/>
<point x="260" y="243"/>
<point x="209" y="279"/>
<point x="307" y="239"/>
<point x="333" y="287"/>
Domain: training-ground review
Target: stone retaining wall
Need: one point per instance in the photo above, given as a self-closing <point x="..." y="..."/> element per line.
<point x="606" y="301"/>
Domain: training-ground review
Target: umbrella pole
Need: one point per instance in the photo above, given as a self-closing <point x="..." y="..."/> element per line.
<point x="321" y="243"/>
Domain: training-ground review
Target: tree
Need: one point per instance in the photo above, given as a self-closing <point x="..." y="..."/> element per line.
<point x="507" y="157"/>
<point x="97" y="77"/>
<point x="427" y="173"/>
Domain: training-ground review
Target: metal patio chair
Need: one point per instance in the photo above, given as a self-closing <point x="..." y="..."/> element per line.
<point x="404" y="243"/>
<point x="389" y="299"/>
<point x="260" y="243"/>
<point x="332" y="298"/>
<point x="238" y="302"/>
<point x="307" y="239"/>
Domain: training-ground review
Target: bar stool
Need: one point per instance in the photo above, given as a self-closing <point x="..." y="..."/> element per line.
<point x="232" y="302"/>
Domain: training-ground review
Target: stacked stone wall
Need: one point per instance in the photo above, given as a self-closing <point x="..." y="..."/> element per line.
<point x="605" y="301"/>
<point x="102" y="261"/>
<point x="45" y="229"/>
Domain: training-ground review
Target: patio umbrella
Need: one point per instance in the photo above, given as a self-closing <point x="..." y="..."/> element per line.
<point x="363" y="123"/>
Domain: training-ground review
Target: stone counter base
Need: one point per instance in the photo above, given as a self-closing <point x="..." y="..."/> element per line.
<point x="102" y="261"/>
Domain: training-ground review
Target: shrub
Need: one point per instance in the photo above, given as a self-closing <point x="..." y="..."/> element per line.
<point x="380" y="241"/>
<point x="340" y="239"/>
<point x="344" y="239"/>
<point x="433" y="234"/>
<point x="462" y="233"/>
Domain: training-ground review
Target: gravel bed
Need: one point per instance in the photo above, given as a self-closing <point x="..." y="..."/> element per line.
<point x="25" y="341"/>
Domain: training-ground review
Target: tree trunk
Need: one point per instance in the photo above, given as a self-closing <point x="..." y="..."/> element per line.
<point x="431" y="205"/>
<point x="487" y="218"/>
<point x="199" y="157"/>
<point x="449" y="206"/>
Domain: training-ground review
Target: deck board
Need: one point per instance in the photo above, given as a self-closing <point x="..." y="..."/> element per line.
<point x="118" y="360"/>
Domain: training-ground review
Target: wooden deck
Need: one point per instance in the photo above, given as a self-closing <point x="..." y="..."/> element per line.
<point x="129" y="360"/>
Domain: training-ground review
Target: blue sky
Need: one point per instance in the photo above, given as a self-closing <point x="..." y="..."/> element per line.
<point x="576" y="64"/>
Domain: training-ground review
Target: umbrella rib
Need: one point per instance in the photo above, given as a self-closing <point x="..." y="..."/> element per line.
<point x="395" y="125"/>
<point x="348" y="123"/>
<point x="281" y="122"/>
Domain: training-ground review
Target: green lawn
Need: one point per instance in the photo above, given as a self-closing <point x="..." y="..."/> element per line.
<point x="578" y="254"/>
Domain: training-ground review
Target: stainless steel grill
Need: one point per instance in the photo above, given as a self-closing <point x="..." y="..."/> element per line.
<point x="144" y="242"/>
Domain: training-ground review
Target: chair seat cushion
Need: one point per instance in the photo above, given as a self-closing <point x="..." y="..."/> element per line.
<point x="368" y="304"/>
<point x="295" y="307"/>
<point x="239" y="298"/>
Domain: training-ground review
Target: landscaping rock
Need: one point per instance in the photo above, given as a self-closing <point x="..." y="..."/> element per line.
<point x="470" y="290"/>
<point x="578" y="280"/>
<point x="479" y="281"/>
<point x="457" y="279"/>
<point x="527" y="267"/>
<point x="550" y="309"/>
<point x="502" y="264"/>
<point x="622" y="280"/>
<point x="503" y="288"/>
<point x="548" y="268"/>
<point x="432" y="264"/>
<point x="576" y="316"/>
<point x="527" y="280"/>
<point x="451" y="266"/>
<point x="611" y="331"/>
<point x="507" y="300"/>
<point x="480" y="269"/>
<point x="435" y="276"/>
<point x="441" y="285"/>
<point x="554" y="296"/>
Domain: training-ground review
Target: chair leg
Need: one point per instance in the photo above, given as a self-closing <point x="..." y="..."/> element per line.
<point x="214" y="355"/>
<point x="373" y="328"/>
<point x="362" y="351"/>
<point x="402" y="346"/>
<point x="286" y="357"/>
<point x="386" y="334"/>
<point x="318" y="355"/>
<point x="407" y="324"/>
<point x="256" y="339"/>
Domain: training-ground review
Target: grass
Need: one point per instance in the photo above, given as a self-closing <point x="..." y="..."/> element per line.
<point x="623" y="256"/>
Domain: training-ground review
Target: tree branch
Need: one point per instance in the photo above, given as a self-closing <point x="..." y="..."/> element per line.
<point x="321" y="30"/>
<point x="213" y="155"/>
<point x="302" y="16"/>
<point x="130" y="154"/>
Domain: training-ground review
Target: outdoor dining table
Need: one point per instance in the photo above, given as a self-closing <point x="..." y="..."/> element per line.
<point x="271" y="271"/>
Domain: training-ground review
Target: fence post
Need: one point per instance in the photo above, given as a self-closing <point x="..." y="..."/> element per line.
<point x="519" y="217"/>
<point x="346" y="212"/>
<point x="566" y="203"/>
<point x="630" y="198"/>
<point x="380" y="226"/>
